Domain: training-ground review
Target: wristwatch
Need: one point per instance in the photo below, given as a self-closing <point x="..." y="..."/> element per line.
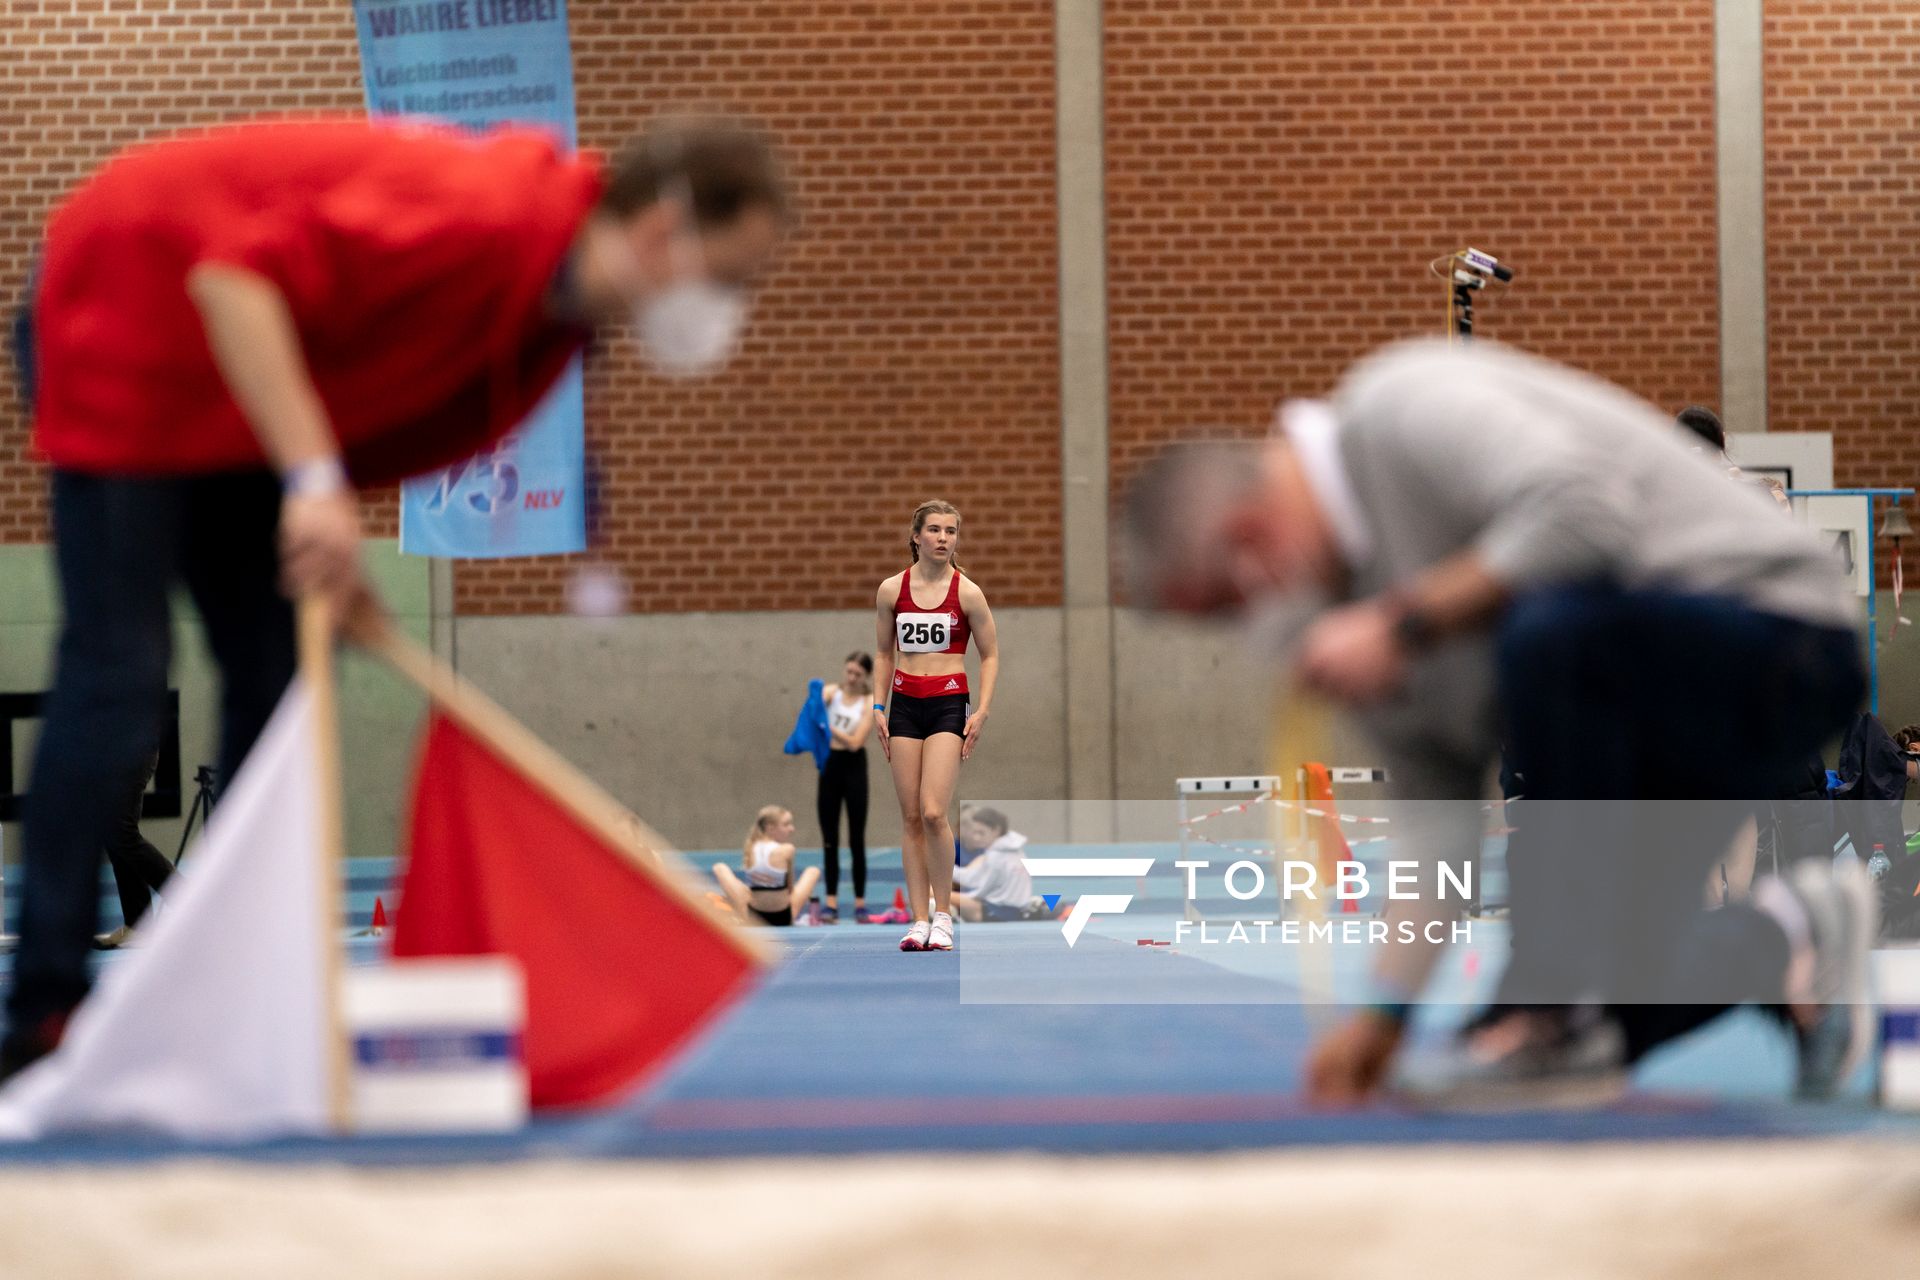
<point x="1414" y="627"/>
<point x="314" y="479"/>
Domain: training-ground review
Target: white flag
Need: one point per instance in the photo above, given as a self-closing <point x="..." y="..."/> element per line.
<point x="215" y="1024"/>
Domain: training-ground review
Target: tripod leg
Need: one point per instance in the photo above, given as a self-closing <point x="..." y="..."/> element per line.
<point x="201" y="808"/>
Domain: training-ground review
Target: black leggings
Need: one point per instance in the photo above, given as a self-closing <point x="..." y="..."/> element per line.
<point x="844" y="779"/>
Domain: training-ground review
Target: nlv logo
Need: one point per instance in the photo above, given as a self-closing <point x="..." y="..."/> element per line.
<point x="1089" y="905"/>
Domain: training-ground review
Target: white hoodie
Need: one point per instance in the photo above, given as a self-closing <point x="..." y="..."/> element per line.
<point x="997" y="875"/>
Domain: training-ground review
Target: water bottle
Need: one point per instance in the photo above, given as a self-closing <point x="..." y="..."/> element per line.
<point x="1878" y="865"/>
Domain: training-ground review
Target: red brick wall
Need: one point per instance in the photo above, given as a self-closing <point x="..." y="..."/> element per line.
<point x="1279" y="176"/>
<point x="905" y="350"/>
<point x="1843" y="233"/>
<point x="80" y="79"/>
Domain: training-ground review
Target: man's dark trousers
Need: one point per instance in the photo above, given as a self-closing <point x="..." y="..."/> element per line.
<point x="1679" y="712"/>
<point x="121" y="545"/>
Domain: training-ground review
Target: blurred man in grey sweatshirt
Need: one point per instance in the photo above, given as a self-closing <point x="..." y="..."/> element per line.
<point x="1497" y="551"/>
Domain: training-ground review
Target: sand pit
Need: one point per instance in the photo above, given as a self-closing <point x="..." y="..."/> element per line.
<point x="1753" y="1210"/>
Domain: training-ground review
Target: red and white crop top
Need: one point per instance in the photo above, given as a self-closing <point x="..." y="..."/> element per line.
<point x="942" y="629"/>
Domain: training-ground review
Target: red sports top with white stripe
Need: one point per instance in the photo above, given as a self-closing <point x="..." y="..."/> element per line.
<point x="941" y="629"/>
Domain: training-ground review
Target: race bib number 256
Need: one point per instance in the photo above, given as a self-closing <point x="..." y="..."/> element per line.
<point x="922" y="632"/>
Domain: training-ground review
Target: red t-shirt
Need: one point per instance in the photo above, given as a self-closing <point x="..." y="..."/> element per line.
<point x="415" y="260"/>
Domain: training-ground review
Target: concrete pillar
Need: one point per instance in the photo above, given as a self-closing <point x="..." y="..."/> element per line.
<point x="1080" y="160"/>
<point x="1740" y="179"/>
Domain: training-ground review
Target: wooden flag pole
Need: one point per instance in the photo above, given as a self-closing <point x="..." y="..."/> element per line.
<point x="1299" y="735"/>
<point x="644" y="849"/>
<point x="316" y="674"/>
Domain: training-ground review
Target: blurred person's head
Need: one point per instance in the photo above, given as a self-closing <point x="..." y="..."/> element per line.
<point x="1908" y="739"/>
<point x="1705" y="423"/>
<point x="980" y="827"/>
<point x="857" y="673"/>
<point x="1212" y="525"/>
<point x="692" y="215"/>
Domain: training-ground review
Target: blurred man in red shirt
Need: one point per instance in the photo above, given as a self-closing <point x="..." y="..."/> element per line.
<point x="233" y="329"/>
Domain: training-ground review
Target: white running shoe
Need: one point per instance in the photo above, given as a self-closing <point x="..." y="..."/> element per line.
<point x="916" y="939"/>
<point x="940" y="937"/>
<point x="1841" y="904"/>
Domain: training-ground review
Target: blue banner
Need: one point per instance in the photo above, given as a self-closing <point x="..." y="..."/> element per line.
<point x="478" y="63"/>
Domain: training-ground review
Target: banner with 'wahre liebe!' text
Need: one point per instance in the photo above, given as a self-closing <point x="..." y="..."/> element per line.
<point x="478" y="63"/>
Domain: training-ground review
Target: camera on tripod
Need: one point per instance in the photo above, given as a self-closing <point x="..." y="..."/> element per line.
<point x="206" y="780"/>
<point x="1466" y="271"/>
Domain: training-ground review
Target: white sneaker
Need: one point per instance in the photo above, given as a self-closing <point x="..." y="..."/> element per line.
<point x="1844" y="911"/>
<point x="916" y="939"/>
<point x="940" y="937"/>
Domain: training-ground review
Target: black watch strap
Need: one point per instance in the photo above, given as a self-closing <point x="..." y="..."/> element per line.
<point x="1414" y="628"/>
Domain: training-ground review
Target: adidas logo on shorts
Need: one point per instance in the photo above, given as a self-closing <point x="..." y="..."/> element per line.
<point x="951" y="686"/>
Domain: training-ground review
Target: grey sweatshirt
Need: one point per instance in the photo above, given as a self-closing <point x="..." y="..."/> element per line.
<point x="1553" y="476"/>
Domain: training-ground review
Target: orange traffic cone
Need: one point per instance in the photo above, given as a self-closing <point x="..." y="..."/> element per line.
<point x="379" y="919"/>
<point x="899" y="899"/>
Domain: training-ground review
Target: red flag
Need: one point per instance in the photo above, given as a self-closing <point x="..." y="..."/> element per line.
<point x="620" y="967"/>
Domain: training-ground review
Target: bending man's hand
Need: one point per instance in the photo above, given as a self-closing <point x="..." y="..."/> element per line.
<point x="1353" y="655"/>
<point x="320" y="547"/>
<point x="1349" y="1064"/>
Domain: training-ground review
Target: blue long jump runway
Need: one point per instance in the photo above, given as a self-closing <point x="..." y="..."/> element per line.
<point x="853" y="1046"/>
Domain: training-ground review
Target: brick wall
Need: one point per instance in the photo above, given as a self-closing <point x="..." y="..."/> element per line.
<point x="80" y="79"/>
<point x="1843" y="233"/>
<point x="906" y="349"/>
<point x="1279" y="176"/>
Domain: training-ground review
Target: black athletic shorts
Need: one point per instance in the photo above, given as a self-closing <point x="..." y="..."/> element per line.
<point x="911" y="717"/>
<point x="777" y="919"/>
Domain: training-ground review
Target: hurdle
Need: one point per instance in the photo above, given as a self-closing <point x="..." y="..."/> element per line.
<point x="1292" y="809"/>
<point x="1266" y="789"/>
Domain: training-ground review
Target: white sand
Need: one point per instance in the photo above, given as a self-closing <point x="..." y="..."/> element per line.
<point x="1748" y="1210"/>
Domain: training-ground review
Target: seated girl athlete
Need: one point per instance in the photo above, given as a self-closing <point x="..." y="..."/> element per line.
<point x="995" y="884"/>
<point x="924" y="617"/>
<point x="765" y="891"/>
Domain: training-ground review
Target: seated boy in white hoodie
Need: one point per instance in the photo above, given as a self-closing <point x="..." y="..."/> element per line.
<point x="994" y="885"/>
